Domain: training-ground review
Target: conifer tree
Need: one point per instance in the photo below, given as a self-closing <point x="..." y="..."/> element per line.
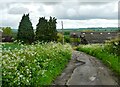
<point x="41" y="29"/>
<point x="52" y="29"/>
<point x="46" y="30"/>
<point x="25" y="30"/>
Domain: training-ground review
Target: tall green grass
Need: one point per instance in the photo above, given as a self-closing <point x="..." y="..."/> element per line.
<point x="98" y="51"/>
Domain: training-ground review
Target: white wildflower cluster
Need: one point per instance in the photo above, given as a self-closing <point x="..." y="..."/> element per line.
<point x="31" y="63"/>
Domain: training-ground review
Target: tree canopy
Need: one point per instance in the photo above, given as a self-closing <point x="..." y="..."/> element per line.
<point x="7" y="31"/>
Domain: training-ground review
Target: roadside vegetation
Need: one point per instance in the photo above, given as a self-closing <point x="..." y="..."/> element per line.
<point x="8" y="45"/>
<point x="34" y="65"/>
<point x="33" y="57"/>
<point x="36" y="57"/>
<point x="108" y="53"/>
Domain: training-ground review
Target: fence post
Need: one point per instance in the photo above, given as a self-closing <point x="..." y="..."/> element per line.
<point x="62" y="33"/>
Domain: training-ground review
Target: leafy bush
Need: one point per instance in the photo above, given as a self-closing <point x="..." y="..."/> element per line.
<point x="67" y="33"/>
<point x="34" y="65"/>
<point x="7" y="31"/>
<point x="7" y="34"/>
<point x="67" y="38"/>
<point x="113" y="46"/>
<point x="59" y="37"/>
<point x="75" y="41"/>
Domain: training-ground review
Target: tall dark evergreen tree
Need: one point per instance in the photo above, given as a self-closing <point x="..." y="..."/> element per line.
<point x="41" y="29"/>
<point x="46" y="30"/>
<point x="25" y="30"/>
<point x="52" y="29"/>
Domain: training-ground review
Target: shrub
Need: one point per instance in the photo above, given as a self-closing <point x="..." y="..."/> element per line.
<point x="67" y="33"/>
<point x="59" y="37"/>
<point x="7" y="34"/>
<point x="67" y="38"/>
<point x="113" y="46"/>
<point x="75" y="41"/>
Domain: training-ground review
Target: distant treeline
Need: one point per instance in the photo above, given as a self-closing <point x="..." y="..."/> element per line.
<point x="90" y="29"/>
<point x="82" y="29"/>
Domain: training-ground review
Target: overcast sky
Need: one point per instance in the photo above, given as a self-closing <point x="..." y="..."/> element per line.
<point x="73" y="13"/>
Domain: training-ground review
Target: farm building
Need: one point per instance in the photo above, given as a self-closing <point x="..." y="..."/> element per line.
<point x="95" y="37"/>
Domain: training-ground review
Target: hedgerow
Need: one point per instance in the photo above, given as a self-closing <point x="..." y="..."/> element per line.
<point x="34" y="65"/>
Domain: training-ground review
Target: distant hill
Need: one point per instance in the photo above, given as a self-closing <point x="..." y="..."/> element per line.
<point x="14" y="30"/>
<point x="91" y="29"/>
<point x="83" y="29"/>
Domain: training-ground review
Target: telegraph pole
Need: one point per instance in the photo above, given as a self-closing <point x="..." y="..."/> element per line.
<point x="62" y="33"/>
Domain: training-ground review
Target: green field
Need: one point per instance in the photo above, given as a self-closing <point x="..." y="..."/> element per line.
<point x="10" y="46"/>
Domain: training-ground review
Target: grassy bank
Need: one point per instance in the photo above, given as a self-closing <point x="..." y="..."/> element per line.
<point x="98" y="51"/>
<point x="34" y="65"/>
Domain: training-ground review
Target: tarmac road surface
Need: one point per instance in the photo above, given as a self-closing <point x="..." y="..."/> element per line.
<point x="84" y="69"/>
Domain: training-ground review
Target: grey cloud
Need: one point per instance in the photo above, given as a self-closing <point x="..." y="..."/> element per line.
<point x="55" y="1"/>
<point x="41" y="10"/>
<point x="11" y="21"/>
<point x="97" y="0"/>
<point x="18" y="10"/>
<point x="87" y="17"/>
<point x="61" y="10"/>
<point x="29" y="1"/>
<point x="70" y="10"/>
<point x="4" y="6"/>
<point x="75" y="12"/>
<point x="93" y="3"/>
<point x="51" y="3"/>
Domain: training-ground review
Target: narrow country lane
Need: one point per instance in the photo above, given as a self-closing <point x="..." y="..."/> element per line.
<point x="84" y="69"/>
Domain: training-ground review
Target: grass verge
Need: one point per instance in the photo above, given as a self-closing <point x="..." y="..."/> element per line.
<point x="98" y="51"/>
